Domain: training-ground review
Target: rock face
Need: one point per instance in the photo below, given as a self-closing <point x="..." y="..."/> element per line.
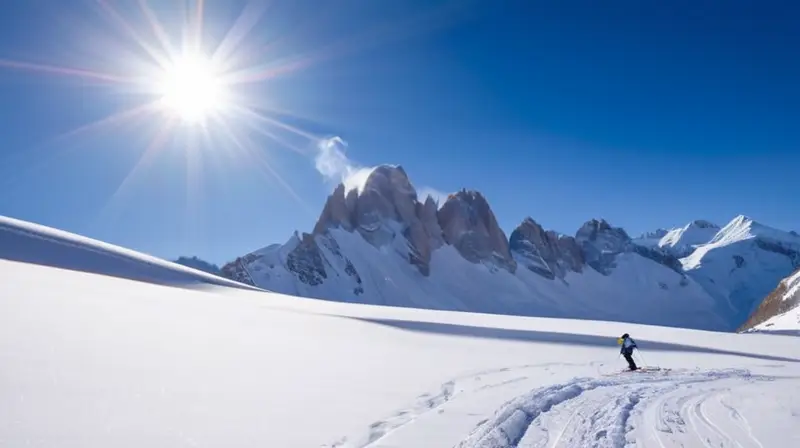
<point x="386" y="206"/>
<point x="601" y="244"/>
<point x="307" y="262"/>
<point x="471" y="227"/>
<point x="545" y="252"/>
<point x="596" y="244"/>
<point x="785" y="298"/>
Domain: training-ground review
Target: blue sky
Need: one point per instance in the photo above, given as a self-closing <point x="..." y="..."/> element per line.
<point x="563" y="111"/>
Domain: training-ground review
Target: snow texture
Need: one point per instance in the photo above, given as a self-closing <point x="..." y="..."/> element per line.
<point x="95" y="359"/>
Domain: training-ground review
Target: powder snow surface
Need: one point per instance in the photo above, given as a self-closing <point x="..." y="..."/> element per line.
<point x="90" y="360"/>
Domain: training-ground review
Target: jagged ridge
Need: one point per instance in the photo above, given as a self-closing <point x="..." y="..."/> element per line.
<point x="387" y="215"/>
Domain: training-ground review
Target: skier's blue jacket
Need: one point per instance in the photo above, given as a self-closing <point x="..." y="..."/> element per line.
<point x="627" y="346"/>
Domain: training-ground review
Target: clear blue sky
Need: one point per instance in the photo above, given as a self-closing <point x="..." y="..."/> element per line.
<point x="563" y="111"/>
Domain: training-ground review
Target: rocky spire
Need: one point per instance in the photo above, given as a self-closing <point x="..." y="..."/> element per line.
<point x="469" y="225"/>
<point x="383" y="207"/>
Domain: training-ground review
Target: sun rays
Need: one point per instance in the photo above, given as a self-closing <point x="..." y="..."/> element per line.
<point x="192" y="88"/>
<point x="178" y="81"/>
<point x="178" y="75"/>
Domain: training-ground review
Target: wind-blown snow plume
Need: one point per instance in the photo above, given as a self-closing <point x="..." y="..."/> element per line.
<point x="438" y="196"/>
<point x="334" y="165"/>
<point x="332" y="162"/>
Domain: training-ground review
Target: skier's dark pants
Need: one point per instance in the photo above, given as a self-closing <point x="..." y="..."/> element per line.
<point x="629" y="358"/>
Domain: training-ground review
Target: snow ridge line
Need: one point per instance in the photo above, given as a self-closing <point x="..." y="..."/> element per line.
<point x="510" y="423"/>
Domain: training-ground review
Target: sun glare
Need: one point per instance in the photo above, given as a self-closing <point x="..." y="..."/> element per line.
<point x="191" y="88"/>
<point x="173" y="75"/>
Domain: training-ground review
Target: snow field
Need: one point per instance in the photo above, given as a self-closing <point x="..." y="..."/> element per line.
<point x="96" y="361"/>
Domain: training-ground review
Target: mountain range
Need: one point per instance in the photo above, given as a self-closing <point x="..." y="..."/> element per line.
<point x="380" y="243"/>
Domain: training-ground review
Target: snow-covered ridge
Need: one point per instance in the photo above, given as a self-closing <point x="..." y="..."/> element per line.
<point x="33" y="243"/>
<point x="743" y="263"/>
<point x="743" y="227"/>
<point x="682" y="241"/>
<point x="721" y="273"/>
<point x="382" y="244"/>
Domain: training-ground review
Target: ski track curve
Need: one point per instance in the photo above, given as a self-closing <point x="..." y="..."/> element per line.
<point x="661" y="408"/>
<point x="432" y="401"/>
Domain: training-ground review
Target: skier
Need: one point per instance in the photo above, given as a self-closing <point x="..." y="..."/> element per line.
<point x="627" y="349"/>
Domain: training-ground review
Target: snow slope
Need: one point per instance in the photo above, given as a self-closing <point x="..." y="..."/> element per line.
<point x="32" y="243"/>
<point x="742" y="264"/>
<point x="681" y="241"/>
<point x="96" y="361"/>
<point x="356" y="271"/>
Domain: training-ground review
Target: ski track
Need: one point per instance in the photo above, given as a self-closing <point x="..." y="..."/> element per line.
<point x="471" y="383"/>
<point x="675" y="408"/>
<point x="661" y="408"/>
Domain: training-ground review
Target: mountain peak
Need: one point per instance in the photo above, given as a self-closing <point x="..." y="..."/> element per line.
<point x="703" y="224"/>
<point x="593" y="228"/>
<point x="387" y="179"/>
<point x="470" y="226"/>
<point x="546" y="253"/>
<point x="743" y="220"/>
<point x="654" y="234"/>
<point x="744" y="227"/>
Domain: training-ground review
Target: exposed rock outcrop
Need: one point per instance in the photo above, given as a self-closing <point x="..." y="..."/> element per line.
<point x="545" y="252"/>
<point x="384" y="207"/>
<point x="306" y="262"/>
<point x="601" y="243"/>
<point x="386" y="213"/>
<point x="470" y="226"/>
<point x="784" y="298"/>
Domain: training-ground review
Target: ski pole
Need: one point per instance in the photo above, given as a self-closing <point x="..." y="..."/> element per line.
<point x="642" y="357"/>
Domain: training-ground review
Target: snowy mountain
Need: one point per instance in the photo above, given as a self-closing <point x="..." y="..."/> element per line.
<point x="681" y="241"/>
<point x="91" y="358"/>
<point x="780" y="311"/>
<point x="742" y="264"/>
<point x="381" y="244"/>
<point x="200" y="265"/>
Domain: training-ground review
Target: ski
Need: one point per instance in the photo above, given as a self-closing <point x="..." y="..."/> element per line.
<point x="639" y="370"/>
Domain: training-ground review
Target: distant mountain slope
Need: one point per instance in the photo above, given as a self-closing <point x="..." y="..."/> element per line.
<point x="780" y="311"/>
<point x="681" y="241"/>
<point x="742" y="263"/>
<point x="37" y="244"/>
<point x="381" y="244"/>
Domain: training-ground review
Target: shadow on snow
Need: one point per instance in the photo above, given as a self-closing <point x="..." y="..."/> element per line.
<point x="23" y="245"/>
<point x="557" y="338"/>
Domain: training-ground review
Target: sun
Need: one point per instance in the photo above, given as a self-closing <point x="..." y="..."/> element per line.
<point x="191" y="87"/>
